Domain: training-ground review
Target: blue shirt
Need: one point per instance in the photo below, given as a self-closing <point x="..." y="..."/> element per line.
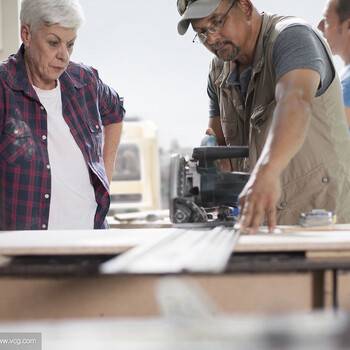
<point x="345" y="83"/>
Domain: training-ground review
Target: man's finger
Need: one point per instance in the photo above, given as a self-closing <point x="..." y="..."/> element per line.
<point x="256" y="218"/>
<point x="246" y="216"/>
<point x="271" y="217"/>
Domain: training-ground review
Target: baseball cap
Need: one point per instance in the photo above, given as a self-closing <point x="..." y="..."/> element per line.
<point x="195" y="9"/>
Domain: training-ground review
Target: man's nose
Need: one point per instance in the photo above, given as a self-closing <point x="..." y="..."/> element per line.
<point x="212" y="37"/>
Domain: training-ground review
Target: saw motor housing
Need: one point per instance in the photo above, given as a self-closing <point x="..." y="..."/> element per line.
<point x="198" y="188"/>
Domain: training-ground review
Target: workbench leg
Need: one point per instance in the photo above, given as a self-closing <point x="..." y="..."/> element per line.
<point x="318" y="281"/>
<point x="335" y="290"/>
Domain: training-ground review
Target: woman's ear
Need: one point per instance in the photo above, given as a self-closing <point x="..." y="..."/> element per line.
<point x="26" y="35"/>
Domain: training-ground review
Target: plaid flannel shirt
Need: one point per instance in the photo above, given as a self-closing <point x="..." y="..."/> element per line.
<point x="25" y="178"/>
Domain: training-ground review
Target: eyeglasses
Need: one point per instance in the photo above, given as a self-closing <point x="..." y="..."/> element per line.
<point x="201" y="38"/>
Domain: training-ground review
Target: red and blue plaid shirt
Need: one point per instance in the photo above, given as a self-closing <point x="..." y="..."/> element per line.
<point x="25" y="177"/>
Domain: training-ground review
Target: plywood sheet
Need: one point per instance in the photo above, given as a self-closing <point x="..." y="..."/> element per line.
<point x="112" y="241"/>
<point x="295" y="239"/>
<point x="115" y="241"/>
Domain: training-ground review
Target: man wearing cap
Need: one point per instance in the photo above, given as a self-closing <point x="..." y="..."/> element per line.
<point x="335" y="27"/>
<point x="272" y="86"/>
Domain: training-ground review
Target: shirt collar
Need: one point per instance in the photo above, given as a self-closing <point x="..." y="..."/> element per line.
<point x="242" y="81"/>
<point x="17" y="77"/>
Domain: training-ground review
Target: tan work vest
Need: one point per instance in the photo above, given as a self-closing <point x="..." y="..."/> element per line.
<point x="318" y="176"/>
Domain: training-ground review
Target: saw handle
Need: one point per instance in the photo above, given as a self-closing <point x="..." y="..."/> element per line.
<point x="220" y="152"/>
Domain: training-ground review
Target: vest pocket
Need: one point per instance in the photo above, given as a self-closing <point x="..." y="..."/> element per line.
<point x="261" y="114"/>
<point x="260" y="123"/>
<point x="229" y="129"/>
<point x="17" y="144"/>
<point x="314" y="190"/>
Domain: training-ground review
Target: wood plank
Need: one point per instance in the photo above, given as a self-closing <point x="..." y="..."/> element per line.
<point x="339" y="227"/>
<point x="119" y="240"/>
<point x="73" y="242"/>
<point x="295" y="240"/>
<point x="329" y="255"/>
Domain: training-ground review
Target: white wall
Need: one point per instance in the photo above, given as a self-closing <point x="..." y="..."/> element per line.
<point x="9" y="27"/>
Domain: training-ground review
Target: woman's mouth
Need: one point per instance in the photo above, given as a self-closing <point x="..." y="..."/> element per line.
<point x="58" y="69"/>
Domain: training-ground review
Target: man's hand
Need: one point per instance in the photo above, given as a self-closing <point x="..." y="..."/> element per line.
<point x="224" y="164"/>
<point x="259" y="196"/>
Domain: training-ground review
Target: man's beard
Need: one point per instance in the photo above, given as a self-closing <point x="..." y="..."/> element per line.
<point x="234" y="51"/>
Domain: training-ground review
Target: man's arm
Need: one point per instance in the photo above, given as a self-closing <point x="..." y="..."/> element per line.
<point x="112" y="134"/>
<point x="294" y="94"/>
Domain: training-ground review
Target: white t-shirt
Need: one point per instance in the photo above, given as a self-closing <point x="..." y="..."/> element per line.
<point x="72" y="202"/>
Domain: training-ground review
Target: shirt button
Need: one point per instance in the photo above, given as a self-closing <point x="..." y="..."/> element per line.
<point x="43" y="137"/>
<point x="325" y="180"/>
<point x="16" y="131"/>
<point x="42" y="108"/>
<point x="240" y="107"/>
<point x="43" y="226"/>
<point x="97" y="126"/>
<point x="48" y="166"/>
<point x="47" y="196"/>
<point x="283" y="204"/>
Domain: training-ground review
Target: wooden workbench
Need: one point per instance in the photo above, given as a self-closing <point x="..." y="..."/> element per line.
<point x="55" y="274"/>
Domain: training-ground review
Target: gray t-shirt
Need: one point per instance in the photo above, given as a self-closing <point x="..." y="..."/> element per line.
<point x="296" y="47"/>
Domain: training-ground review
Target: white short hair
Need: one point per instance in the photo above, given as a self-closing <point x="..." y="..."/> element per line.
<point x="65" y="13"/>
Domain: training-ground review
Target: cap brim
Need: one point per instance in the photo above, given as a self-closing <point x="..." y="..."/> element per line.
<point x="198" y="9"/>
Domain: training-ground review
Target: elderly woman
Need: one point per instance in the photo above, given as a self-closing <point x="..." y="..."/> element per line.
<point x="59" y="130"/>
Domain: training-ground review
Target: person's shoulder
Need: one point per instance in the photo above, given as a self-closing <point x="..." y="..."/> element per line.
<point x="286" y="24"/>
<point x="81" y="71"/>
<point x="302" y="28"/>
<point x="4" y="70"/>
<point x="279" y="22"/>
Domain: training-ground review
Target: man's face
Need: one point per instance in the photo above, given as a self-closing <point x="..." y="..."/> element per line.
<point x="331" y="27"/>
<point x="229" y="42"/>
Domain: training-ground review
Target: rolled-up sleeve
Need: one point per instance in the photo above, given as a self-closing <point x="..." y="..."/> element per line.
<point x="111" y="105"/>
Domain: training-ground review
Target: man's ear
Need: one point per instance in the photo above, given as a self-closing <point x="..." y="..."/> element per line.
<point x="26" y="34"/>
<point x="347" y="23"/>
<point x="247" y="8"/>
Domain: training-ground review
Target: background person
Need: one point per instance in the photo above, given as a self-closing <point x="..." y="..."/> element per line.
<point x="60" y="127"/>
<point x="273" y="87"/>
<point x="335" y="27"/>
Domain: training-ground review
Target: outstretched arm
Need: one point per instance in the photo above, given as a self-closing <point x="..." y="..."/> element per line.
<point x="294" y="94"/>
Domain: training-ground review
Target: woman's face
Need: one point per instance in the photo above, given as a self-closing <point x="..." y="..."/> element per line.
<point x="47" y="54"/>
